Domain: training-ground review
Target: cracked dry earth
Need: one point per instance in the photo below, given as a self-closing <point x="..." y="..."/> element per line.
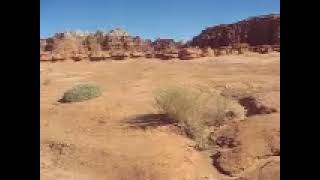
<point x="119" y="136"/>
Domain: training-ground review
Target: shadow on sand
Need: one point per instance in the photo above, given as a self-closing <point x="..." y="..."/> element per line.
<point x="149" y="120"/>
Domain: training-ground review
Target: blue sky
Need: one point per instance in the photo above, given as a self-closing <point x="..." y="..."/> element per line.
<point x="178" y="19"/>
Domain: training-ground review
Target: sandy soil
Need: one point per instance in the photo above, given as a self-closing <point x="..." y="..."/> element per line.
<point x="100" y="139"/>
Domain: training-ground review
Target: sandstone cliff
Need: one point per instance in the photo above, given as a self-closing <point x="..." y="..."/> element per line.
<point x="259" y="30"/>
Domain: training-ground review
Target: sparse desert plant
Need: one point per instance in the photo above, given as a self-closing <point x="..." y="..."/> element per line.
<point x="197" y="111"/>
<point x="81" y="92"/>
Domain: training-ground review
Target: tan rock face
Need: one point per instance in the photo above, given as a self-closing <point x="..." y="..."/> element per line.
<point x="120" y="55"/>
<point x="189" y="53"/>
<point x="79" y="57"/>
<point x="96" y="56"/>
<point x="207" y="52"/>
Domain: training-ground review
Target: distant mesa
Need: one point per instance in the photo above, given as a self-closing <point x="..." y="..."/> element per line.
<point x="259" y="34"/>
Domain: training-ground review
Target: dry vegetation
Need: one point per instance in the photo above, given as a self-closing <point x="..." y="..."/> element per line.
<point x="81" y="92"/>
<point x="195" y="112"/>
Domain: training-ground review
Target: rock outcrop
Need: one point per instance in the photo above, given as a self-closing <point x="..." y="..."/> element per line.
<point x="258" y="34"/>
<point x="208" y="52"/>
<point x="189" y="53"/>
<point x="98" y="46"/>
<point x="120" y="55"/>
<point x="161" y="45"/>
<point x="260" y="30"/>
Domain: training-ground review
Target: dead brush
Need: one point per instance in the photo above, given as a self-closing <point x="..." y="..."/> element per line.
<point x="197" y="111"/>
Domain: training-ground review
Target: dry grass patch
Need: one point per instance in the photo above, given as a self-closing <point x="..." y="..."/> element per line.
<point x="197" y="111"/>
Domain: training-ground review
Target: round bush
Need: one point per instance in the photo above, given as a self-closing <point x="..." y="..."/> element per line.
<point x="81" y="93"/>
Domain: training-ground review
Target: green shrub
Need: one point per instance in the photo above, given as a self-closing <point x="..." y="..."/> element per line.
<point x="81" y="93"/>
<point x="196" y="112"/>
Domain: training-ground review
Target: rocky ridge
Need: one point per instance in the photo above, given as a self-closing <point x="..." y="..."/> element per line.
<point x="259" y="34"/>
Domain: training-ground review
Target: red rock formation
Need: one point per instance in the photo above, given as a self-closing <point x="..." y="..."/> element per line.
<point x="260" y="30"/>
<point x="258" y="34"/>
<point x="161" y="45"/>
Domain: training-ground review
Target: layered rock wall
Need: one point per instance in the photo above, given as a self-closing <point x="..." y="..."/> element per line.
<point x="260" y="30"/>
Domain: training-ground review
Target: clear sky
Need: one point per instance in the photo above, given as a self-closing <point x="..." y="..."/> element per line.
<point x="178" y="19"/>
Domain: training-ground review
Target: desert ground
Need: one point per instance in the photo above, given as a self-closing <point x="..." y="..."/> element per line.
<point x="121" y="136"/>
